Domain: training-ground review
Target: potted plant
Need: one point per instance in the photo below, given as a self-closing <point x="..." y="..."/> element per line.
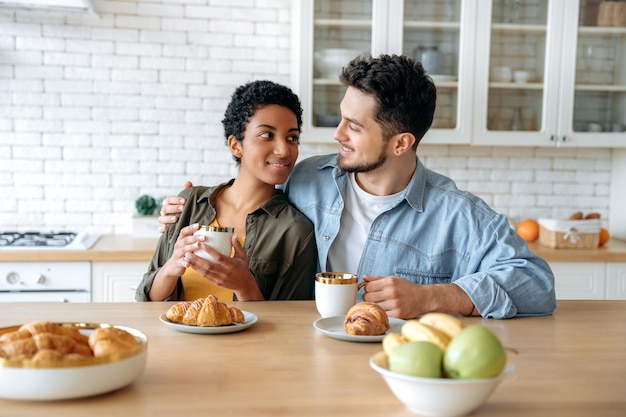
<point x="146" y="205"/>
<point x="145" y="222"/>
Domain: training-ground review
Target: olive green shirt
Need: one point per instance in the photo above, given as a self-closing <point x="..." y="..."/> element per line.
<point x="279" y="243"/>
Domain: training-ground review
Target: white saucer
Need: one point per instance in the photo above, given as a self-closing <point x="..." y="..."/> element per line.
<point x="333" y="327"/>
<point x="249" y="320"/>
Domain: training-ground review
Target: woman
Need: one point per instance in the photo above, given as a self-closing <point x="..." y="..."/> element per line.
<point x="279" y="257"/>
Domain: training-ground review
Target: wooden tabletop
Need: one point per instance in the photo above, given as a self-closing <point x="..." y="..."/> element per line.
<point x="572" y="363"/>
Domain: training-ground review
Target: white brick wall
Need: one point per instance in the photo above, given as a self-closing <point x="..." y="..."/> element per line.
<point x="97" y="111"/>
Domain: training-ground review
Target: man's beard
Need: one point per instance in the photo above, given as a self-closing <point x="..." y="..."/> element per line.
<point x="363" y="166"/>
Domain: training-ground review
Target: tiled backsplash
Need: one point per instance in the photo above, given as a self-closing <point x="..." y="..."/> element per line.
<point x="95" y="111"/>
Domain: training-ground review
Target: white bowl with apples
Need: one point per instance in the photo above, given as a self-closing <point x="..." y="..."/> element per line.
<point x="438" y="367"/>
<point x="438" y="397"/>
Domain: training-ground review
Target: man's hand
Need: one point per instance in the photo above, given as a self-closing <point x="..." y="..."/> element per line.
<point x="406" y="300"/>
<point x="171" y="205"/>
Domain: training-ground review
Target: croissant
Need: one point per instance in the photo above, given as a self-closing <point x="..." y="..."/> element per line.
<point x="236" y="314"/>
<point x="192" y="312"/>
<point x="47" y="355"/>
<point x="177" y="311"/>
<point x="204" y="312"/>
<point x="41" y="340"/>
<point x="19" y="349"/>
<point x="108" y="340"/>
<point x="36" y="327"/>
<point x="366" y="319"/>
<point x="16" y="335"/>
<point x="61" y="343"/>
<point x="73" y="332"/>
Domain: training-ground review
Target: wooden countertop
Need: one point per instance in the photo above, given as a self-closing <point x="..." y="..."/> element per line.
<point x="109" y="248"/>
<point x="568" y="364"/>
<point x="126" y="248"/>
<point x="613" y="251"/>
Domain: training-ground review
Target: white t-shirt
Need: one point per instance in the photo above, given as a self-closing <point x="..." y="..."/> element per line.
<point x="361" y="208"/>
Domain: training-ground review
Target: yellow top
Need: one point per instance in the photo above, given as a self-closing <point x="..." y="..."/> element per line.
<point x="196" y="286"/>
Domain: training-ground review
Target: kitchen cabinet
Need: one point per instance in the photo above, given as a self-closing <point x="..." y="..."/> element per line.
<point x="348" y="29"/>
<point x="616" y="281"/>
<point x="116" y="281"/>
<point x="579" y="281"/>
<point x="574" y="94"/>
<point x="589" y="280"/>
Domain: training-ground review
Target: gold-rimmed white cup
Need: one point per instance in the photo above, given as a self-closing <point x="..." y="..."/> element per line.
<point x="217" y="237"/>
<point x="335" y="292"/>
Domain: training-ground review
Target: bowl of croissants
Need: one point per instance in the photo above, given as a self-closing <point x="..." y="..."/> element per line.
<point x="44" y="360"/>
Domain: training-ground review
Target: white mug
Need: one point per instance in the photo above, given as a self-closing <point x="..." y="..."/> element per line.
<point x="335" y="293"/>
<point x="216" y="237"/>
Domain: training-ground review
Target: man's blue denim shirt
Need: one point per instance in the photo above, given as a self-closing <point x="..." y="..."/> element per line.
<point x="437" y="234"/>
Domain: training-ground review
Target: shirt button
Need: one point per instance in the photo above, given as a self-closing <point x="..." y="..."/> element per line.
<point x="326" y="237"/>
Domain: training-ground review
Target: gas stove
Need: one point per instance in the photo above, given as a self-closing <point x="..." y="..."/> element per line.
<point x="48" y="241"/>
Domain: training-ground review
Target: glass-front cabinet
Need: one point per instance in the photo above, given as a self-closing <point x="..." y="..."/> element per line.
<point x="551" y="73"/>
<point x="508" y="72"/>
<point x="332" y="32"/>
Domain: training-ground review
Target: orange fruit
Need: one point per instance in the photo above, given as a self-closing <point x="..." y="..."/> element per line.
<point x="604" y="236"/>
<point x="528" y="229"/>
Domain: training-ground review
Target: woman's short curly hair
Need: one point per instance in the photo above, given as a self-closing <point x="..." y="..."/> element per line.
<point x="248" y="98"/>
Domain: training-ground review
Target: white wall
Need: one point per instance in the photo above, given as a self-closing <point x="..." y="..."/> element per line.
<point x="97" y="111"/>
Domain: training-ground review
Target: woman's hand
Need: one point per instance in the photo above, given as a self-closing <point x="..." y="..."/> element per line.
<point x="186" y="243"/>
<point x="167" y="276"/>
<point x="233" y="273"/>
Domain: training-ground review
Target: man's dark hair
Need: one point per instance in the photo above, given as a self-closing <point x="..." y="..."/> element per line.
<point x="405" y="95"/>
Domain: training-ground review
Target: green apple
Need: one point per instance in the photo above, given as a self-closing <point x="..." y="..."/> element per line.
<point x="475" y="352"/>
<point x="417" y="359"/>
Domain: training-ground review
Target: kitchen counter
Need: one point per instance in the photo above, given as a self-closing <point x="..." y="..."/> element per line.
<point x="613" y="251"/>
<point x="126" y="248"/>
<point x="109" y="248"/>
<point x="568" y="364"/>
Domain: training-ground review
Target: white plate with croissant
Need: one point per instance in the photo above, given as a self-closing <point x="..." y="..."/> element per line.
<point x="364" y="322"/>
<point x="55" y="361"/>
<point x="333" y="327"/>
<point x="249" y="320"/>
<point x="207" y="316"/>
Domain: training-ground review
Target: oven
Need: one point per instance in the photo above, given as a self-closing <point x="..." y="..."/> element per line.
<point x="45" y="281"/>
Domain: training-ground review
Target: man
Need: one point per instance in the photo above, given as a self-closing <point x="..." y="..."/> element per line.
<point x="418" y="242"/>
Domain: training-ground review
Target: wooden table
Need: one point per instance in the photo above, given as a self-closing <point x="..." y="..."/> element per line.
<point x="570" y="364"/>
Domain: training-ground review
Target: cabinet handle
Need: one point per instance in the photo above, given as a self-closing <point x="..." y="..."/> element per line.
<point x="552" y="138"/>
<point x="564" y="138"/>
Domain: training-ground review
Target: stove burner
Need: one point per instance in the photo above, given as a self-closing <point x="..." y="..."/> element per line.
<point x="16" y="239"/>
